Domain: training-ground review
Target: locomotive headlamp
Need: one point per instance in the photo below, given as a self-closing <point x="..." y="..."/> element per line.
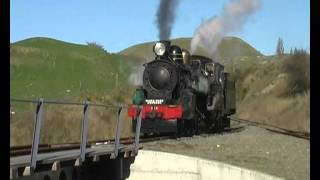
<point x="159" y="48"/>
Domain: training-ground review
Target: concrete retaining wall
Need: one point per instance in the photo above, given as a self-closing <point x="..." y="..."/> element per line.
<point x="160" y="165"/>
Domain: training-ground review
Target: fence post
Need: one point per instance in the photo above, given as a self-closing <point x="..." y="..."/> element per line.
<point x="118" y="132"/>
<point x="36" y="134"/>
<point x="137" y="135"/>
<point x="84" y="131"/>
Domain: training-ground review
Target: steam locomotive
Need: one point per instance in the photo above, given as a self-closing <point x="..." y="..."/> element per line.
<point x="182" y="94"/>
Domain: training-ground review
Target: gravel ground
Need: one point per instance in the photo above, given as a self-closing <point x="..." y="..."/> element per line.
<point x="251" y="147"/>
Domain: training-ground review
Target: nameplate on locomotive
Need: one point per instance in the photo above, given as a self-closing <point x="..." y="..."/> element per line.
<point x="154" y="101"/>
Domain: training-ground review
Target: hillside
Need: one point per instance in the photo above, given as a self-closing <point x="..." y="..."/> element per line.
<point x="53" y="69"/>
<point x="43" y="67"/>
<point x="264" y="91"/>
<point x="230" y="48"/>
<point x="57" y="70"/>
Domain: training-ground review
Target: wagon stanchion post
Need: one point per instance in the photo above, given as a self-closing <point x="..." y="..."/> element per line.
<point x="84" y="131"/>
<point x="138" y="126"/>
<point x="118" y="132"/>
<point x="36" y="134"/>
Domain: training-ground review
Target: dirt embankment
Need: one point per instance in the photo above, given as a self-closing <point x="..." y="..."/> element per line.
<point x="274" y="90"/>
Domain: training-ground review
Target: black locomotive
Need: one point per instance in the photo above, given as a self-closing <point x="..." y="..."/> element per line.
<point x="183" y="93"/>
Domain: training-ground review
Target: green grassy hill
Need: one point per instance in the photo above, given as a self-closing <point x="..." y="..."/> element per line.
<point x="57" y="70"/>
<point x="230" y="48"/>
<point x="43" y="67"/>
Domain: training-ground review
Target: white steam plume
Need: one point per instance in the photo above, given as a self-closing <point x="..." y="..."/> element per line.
<point x="234" y="16"/>
<point x="136" y="76"/>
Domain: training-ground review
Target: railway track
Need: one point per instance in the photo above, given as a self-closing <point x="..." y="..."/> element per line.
<point x="43" y="148"/>
<point x="24" y="150"/>
<point x="272" y="128"/>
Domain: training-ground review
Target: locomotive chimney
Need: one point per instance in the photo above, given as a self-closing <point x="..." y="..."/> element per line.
<point x="166" y="43"/>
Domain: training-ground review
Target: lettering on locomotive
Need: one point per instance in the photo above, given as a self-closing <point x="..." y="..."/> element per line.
<point x="154" y="101"/>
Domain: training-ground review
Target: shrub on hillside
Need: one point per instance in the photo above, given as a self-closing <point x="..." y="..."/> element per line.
<point x="297" y="68"/>
<point x="96" y="45"/>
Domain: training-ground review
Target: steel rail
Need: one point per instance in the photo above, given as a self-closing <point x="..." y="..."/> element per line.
<point x="24" y="150"/>
<point x="273" y="128"/>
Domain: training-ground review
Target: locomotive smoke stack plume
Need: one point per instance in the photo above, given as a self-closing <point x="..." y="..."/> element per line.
<point x="234" y="16"/>
<point x="165" y="18"/>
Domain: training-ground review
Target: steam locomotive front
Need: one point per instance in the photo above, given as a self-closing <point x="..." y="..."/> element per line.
<point x="179" y="90"/>
<point x="160" y="76"/>
<point x="160" y="112"/>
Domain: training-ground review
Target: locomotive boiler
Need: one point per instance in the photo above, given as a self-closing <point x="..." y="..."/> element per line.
<point x="183" y="94"/>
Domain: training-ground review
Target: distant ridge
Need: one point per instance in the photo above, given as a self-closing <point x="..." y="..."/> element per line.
<point x="230" y="48"/>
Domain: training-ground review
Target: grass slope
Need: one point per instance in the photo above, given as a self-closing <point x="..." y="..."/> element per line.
<point x="43" y="67"/>
<point x="52" y="69"/>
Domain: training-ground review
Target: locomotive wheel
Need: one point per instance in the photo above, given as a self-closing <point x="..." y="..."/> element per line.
<point x="189" y="128"/>
<point x="216" y="122"/>
<point x="219" y="122"/>
<point x="185" y="128"/>
<point x="192" y="127"/>
<point x="196" y="126"/>
<point x="180" y="128"/>
<point x="226" y="122"/>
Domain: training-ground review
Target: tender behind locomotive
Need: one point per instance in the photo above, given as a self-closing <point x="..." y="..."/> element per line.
<point x="183" y="93"/>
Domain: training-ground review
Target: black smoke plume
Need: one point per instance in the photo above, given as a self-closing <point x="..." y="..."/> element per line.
<point x="165" y="18"/>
